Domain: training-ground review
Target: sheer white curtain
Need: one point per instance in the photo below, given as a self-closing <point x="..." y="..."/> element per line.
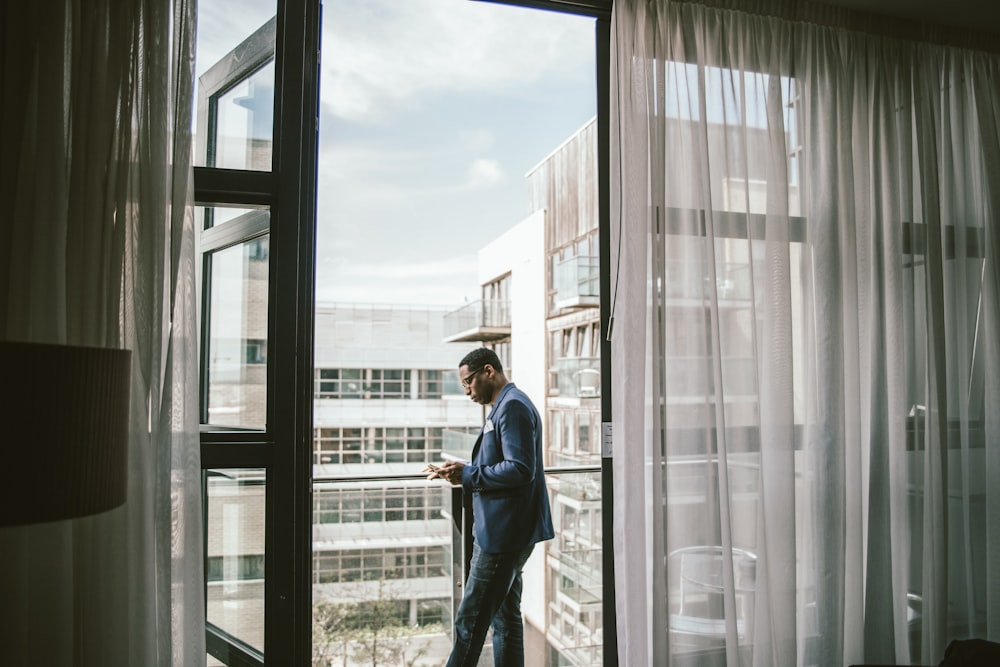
<point x="805" y="341"/>
<point x="96" y="248"/>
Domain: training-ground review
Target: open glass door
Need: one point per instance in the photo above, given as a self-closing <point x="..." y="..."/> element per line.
<point x="457" y="208"/>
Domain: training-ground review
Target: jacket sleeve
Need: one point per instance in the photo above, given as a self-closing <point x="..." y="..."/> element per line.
<point x="516" y="430"/>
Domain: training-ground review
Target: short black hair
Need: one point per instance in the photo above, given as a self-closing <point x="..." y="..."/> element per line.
<point x="479" y="357"/>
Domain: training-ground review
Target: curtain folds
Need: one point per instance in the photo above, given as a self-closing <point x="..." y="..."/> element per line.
<point x="97" y="248"/>
<point x="804" y="395"/>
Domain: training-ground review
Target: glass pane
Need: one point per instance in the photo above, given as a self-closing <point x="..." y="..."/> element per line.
<point x="383" y="586"/>
<point x="575" y="589"/>
<point x="237" y="334"/>
<point x="245" y="218"/>
<point x="235" y="84"/>
<point x="235" y="553"/>
<point x="444" y="186"/>
<point x="243" y="124"/>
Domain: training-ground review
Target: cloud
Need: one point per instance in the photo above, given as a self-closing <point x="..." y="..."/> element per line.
<point x="399" y="279"/>
<point x="432" y="110"/>
<point x="220" y="29"/>
<point x="401" y="268"/>
<point x="387" y="54"/>
<point x="382" y="55"/>
<point x="407" y="173"/>
<point x="484" y="173"/>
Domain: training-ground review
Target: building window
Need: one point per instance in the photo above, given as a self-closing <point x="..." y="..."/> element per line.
<point x="496" y="302"/>
<point x="574" y="273"/>
<point x="502" y="348"/>
<point x="381" y="504"/>
<point x="575" y="361"/>
<point x="256" y="350"/>
<point x="363" y="383"/>
<point x="573" y="435"/>
<point x="377" y="444"/>
<point x="245" y="567"/>
<point x="339" y="383"/>
<point x="420" y="562"/>
<point x="386" y="383"/>
<point x="259" y="248"/>
<point x="430" y="384"/>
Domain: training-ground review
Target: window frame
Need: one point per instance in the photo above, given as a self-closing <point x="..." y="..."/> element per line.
<point x="283" y="449"/>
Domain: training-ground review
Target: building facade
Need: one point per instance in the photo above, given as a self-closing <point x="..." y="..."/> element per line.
<point x="540" y="311"/>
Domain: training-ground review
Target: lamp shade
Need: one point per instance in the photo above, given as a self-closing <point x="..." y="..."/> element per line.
<point x="64" y="423"/>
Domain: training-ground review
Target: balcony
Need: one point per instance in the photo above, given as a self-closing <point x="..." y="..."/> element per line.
<point x="577" y="283"/>
<point x="581" y="571"/>
<point x="578" y="377"/>
<point x="410" y="571"/>
<point x="579" y="487"/>
<point x="478" y="321"/>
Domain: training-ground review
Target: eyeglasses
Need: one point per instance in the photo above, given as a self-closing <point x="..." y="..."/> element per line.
<point x="467" y="380"/>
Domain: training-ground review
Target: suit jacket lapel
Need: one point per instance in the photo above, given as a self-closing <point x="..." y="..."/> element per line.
<point x="475" y="448"/>
<point x="489" y="418"/>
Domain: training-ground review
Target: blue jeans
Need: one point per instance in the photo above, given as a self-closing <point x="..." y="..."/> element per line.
<point x="492" y="598"/>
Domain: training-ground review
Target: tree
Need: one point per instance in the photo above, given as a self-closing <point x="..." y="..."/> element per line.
<point x="331" y="634"/>
<point x="372" y="632"/>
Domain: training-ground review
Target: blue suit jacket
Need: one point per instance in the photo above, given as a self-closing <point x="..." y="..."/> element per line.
<point x="506" y="479"/>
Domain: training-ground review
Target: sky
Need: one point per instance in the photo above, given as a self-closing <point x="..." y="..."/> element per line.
<point x="432" y="112"/>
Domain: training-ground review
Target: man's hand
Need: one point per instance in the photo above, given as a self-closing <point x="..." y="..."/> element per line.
<point x="451" y="472"/>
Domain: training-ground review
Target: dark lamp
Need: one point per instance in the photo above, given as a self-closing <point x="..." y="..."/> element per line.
<point x="64" y="419"/>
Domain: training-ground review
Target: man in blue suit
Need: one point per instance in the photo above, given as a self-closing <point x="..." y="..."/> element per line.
<point x="510" y="512"/>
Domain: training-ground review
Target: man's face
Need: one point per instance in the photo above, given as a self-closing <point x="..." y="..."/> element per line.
<point x="476" y="383"/>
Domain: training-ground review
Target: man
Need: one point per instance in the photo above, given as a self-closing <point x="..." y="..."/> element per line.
<point x="510" y="512"/>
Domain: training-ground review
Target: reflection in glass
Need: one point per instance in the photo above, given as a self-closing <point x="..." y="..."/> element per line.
<point x="237" y="334"/>
<point x="235" y="553"/>
<point x="215" y="216"/>
<point x="222" y="28"/>
<point x="235" y="84"/>
<point x="243" y="128"/>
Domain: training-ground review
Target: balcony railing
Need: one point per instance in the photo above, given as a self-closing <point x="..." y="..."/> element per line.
<point x="578" y="487"/>
<point x="578" y="377"/>
<point x="458" y="443"/>
<point x="421" y="580"/>
<point x="577" y="282"/>
<point x="582" y="567"/>
<point x="478" y="321"/>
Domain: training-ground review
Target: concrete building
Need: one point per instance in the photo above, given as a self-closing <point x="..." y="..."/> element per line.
<point x="539" y="310"/>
